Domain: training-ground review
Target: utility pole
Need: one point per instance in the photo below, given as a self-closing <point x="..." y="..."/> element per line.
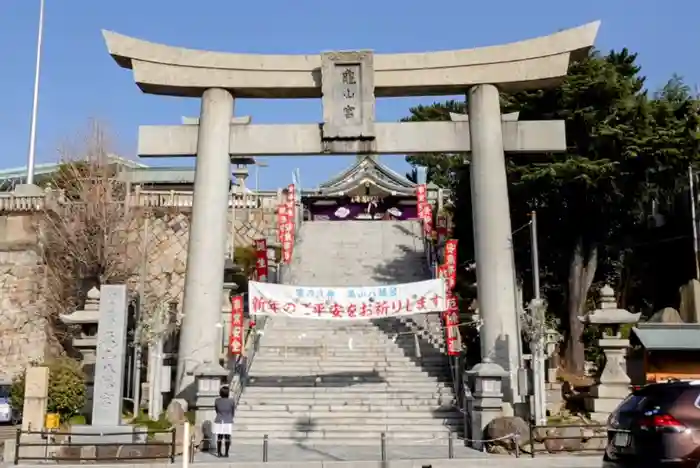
<point x="537" y="345"/>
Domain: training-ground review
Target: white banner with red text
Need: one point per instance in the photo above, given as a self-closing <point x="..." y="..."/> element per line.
<point x="354" y="303"/>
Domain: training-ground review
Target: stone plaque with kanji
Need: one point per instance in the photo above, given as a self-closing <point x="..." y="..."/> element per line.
<point x="348" y="95"/>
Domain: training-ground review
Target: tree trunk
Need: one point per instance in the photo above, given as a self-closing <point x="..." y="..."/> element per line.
<point x="581" y="272"/>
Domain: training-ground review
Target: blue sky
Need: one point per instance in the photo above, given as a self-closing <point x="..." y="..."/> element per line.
<point x="80" y="81"/>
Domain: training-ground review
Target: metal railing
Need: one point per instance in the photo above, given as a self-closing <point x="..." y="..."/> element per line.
<point x="239" y="378"/>
<point x="456" y="363"/>
<point x="57" y="450"/>
<point x="537" y="437"/>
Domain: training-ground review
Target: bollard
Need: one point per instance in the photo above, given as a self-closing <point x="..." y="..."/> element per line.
<point x="450" y="447"/>
<point x="173" y="445"/>
<point x="383" y="446"/>
<point x="265" y="444"/>
<point x="18" y="440"/>
<point x="186" y="445"/>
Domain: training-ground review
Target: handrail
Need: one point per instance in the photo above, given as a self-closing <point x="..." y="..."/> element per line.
<point x="433" y="258"/>
<point x="238" y="379"/>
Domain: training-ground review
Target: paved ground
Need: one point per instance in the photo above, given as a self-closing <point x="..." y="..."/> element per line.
<point x="7" y="431"/>
<point x="417" y="455"/>
<point x="306" y="452"/>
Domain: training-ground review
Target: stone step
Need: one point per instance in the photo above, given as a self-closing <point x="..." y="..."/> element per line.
<point x="252" y="419"/>
<point x="344" y="349"/>
<point x="334" y="373"/>
<point x="335" y="428"/>
<point x="321" y="367"/>
<point x="350" y="392"/>
<point x="388" y="408"/>
<point x="348" y="437"/>
<point x="324" y="398"/>
<point x="366" y="404"/>
<point x="397" y="406"/>
<point x="376" y="384"/>
<point x="347" y="373"/>
<point x="349" y="356"/>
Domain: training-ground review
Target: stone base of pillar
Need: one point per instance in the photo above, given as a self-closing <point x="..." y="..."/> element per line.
<point x="605" y="399"/>
<point x="210" y="377"/>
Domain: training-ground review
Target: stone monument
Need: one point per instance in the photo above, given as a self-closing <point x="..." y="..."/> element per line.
<point x="613" y="382"/>
<point x="36" y="397"/>
<point x="348" y="84"/>
<point x="109" y="370"/>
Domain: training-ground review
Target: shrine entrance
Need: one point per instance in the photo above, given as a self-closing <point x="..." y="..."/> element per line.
<point x="368" y="190"/>
<point x="348" y="83"/>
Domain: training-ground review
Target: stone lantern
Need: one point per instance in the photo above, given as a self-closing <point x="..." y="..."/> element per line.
<point x="551" y="338"/>
<point x="86" y="339"/>
<point x="613" y="383"/>
<point x="487" y="397"/>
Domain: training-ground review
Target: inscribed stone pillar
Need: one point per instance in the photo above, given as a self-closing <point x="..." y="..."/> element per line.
<point x="110" y="357"/>
<point x="204" y="279"/>
<point x="36" y="397"/>
<point x="495" y="269"/>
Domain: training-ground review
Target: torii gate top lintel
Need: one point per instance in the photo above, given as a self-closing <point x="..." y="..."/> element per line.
<point x="175" y="71"/>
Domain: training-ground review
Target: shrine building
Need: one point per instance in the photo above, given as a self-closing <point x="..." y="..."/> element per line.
<point x="368" y="190"/>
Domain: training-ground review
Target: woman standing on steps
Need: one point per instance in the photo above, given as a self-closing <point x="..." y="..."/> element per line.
<point x="223" y="423"/>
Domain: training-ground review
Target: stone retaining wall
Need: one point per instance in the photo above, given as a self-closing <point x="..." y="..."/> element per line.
<point x="21" y="272"/>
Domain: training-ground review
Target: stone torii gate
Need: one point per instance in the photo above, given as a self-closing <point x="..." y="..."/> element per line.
<point x="348" y="84"/>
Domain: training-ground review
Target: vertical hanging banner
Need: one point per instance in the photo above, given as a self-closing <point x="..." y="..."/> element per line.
<point x="261" y="269"/>
<point x="427" y="217"/>
<point x="425" y="210"/>
<point x="236" y="333"/>
<point x="421" y="199"/>
<point x="288" y="235"/>
<point x="281" y="220"/>
<point x="449" y="270"/>
<point x="451" y="263"/>
<point x="291" y="199"/>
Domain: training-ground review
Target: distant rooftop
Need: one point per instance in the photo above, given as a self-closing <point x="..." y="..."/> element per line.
<point x="47" y="168"/>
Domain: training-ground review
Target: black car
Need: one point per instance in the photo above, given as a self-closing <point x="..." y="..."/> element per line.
<point x="656" y="426"/>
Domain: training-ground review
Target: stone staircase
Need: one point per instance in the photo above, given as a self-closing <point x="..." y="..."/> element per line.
<point x="348" y="382"/>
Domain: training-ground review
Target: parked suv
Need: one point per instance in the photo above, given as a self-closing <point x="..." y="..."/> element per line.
<point x="656" y="426"/>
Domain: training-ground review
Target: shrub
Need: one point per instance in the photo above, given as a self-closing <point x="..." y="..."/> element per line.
<point x="67" y="389"/>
